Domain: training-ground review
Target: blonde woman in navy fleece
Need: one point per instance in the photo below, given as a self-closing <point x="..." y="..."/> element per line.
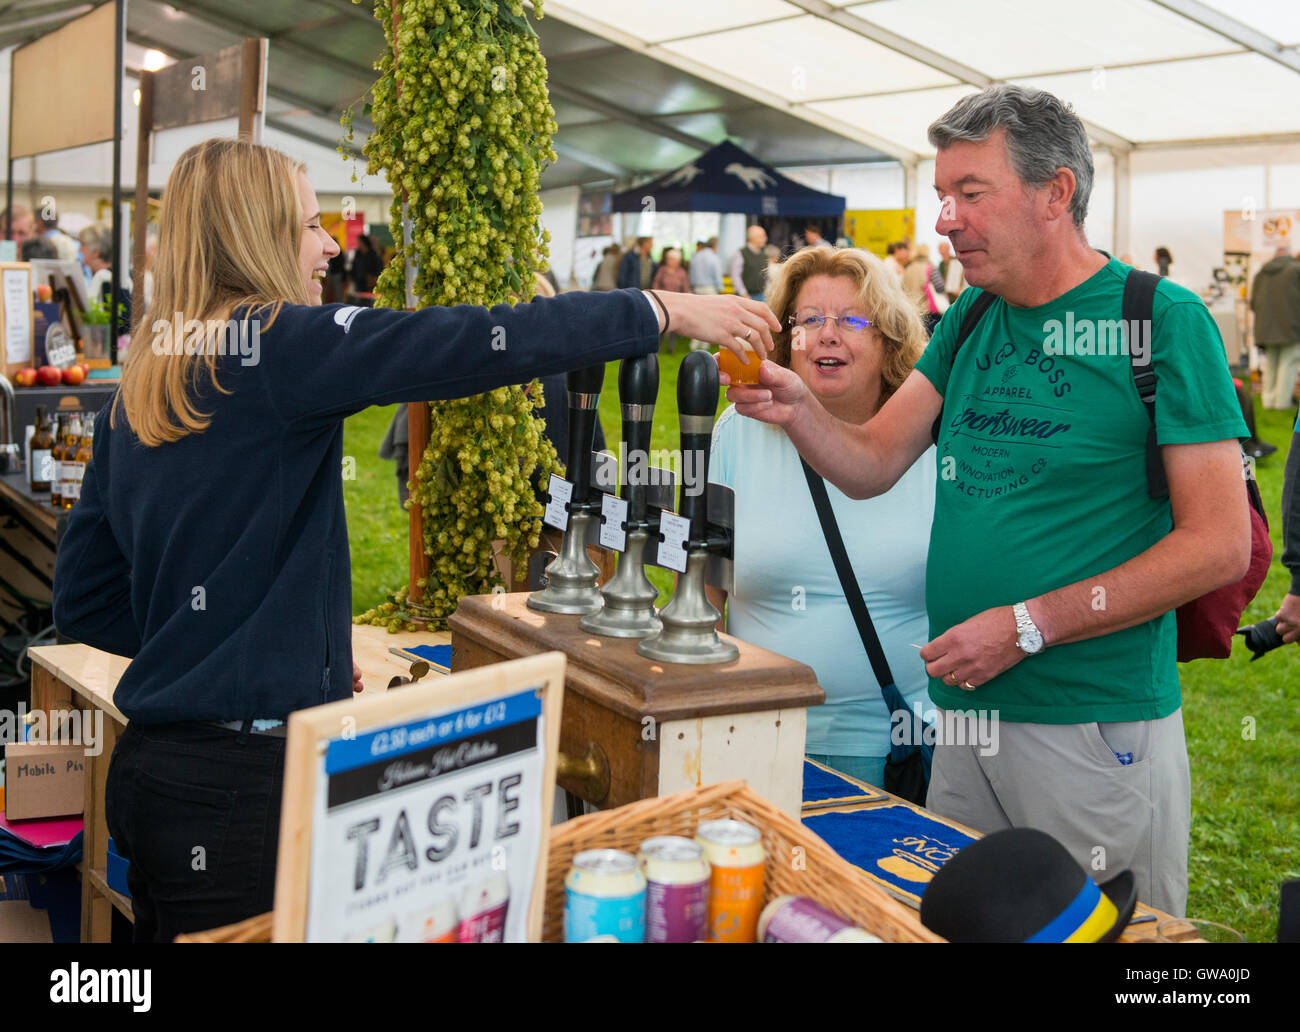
<point x="210" y="542"/>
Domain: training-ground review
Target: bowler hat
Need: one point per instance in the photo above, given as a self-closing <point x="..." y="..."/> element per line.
<point x="1021" y="885"/>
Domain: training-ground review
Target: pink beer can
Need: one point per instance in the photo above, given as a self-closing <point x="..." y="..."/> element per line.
<point x="481" y="910"/>
<point x="799" y="919"/>
<point x="677" y="889"/>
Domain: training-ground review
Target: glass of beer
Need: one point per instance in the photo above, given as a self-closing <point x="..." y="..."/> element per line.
<point x="731" y="365"/>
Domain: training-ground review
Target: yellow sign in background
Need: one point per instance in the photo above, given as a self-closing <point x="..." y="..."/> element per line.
<point x="875" y="230"/>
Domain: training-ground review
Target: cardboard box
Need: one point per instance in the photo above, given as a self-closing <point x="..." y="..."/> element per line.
<point x="44" y="780"/>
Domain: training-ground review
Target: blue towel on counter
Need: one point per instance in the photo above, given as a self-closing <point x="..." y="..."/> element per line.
<point x="437" y="656"/>
<point x="898" y="846"/>
<point x="824" y="787"/>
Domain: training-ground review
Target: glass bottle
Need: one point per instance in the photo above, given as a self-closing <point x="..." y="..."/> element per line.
<point x="56" y="461"/>
<point x="81" y="459"/>
<point x="40" y="472"/>
<point x="70" y="473"/>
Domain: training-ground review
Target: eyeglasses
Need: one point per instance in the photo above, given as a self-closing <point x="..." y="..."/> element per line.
<point x="810" y="321"/>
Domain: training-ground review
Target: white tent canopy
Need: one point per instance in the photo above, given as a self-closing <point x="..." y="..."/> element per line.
<point x="1193" y="105"/>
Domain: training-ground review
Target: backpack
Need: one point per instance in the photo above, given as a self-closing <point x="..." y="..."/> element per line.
<point x="1205" y="624"/>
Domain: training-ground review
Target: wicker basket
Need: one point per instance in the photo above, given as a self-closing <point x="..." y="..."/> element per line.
<point x="255" y="929"/>
<point x="818" y="872"/>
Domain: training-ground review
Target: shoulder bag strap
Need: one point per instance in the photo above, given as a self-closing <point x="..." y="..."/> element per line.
<point x="978" y="307"/>
<point x="1138" y="310"/>
<point x="849" y="583"/>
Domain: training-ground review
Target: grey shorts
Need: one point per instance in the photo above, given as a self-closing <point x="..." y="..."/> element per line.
<point x="1066" y="780"/>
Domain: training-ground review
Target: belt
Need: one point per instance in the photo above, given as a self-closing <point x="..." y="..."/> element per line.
<point x="272" y="728"/>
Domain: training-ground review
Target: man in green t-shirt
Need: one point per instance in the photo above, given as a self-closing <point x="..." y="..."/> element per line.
<point x="1052" y="577"/>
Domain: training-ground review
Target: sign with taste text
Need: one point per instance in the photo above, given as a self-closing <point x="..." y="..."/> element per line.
<point x="421" y="815"/>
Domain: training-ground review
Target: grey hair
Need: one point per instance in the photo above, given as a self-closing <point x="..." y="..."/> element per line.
<point x="99" y="238"/>
<point x="1043" y="134"/>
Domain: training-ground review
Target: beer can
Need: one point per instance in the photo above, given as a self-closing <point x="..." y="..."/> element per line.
<point x="438" y="923"/>
<point x="799" y="919"/>
<point x="677" y="881"/>
<point x="481" y="910"/>
<point x="604" y="896"/>
<point x="735" y="853"/>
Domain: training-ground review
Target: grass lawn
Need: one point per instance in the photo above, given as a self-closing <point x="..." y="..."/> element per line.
<point x="1245" y="837"/>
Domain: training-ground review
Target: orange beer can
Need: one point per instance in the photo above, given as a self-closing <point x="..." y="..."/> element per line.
<point x="735" y="853"/>
<point x="731" y="365"/>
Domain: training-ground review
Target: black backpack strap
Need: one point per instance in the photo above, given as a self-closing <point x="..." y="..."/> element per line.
<point x="978" y="307"/>
<point x="1138" y="311"/>
<point x="848" y="582"/>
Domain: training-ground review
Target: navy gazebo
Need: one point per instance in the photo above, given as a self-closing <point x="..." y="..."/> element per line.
<point x="730" y="180"/>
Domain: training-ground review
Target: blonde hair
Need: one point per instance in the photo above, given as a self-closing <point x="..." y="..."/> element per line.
<point x="229" y="232"/>
<point x="878" y="295"/>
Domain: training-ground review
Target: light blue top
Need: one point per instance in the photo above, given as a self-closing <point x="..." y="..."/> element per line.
<point x="787" y="597"/>
<point x="706" y="269"/>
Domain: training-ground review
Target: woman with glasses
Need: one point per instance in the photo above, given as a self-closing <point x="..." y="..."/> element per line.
<point x="852" y="334"/>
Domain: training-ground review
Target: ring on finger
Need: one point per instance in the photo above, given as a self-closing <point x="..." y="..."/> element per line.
<point x="967" y="685"/>
<point x="952" y="674"/>
<point x="749" y="333"/>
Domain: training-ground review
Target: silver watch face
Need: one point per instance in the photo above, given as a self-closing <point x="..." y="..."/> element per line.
<point x="1030" y="641"/>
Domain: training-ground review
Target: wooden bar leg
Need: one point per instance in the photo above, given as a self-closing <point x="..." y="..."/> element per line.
<point x="96" y="909"/>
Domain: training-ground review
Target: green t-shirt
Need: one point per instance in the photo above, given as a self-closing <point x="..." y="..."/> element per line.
<point x="1042" y="482"/>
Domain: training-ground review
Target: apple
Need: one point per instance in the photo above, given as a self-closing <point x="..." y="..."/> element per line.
<point x="74" y="375"/>
<point x="25" y="377"/>
<point x="43" y="292"/>
<point x="49" y="376"/>
<point x="85" y="368"/>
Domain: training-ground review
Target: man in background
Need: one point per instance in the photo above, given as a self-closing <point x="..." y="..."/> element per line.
<point x="897" y="256"/>
<point x="749" y="266"/>
<point x="812" y="237"/>
<point x="637" y="269"/>
<point x="706" y="276"/>
<point x="18" y="225"/>
<point x="1275" y="300"/>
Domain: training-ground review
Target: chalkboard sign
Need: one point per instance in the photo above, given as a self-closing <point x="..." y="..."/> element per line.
<point x="422" y="814"/>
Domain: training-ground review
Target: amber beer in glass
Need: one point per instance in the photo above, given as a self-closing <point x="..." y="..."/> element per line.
<point x="730" y="364"/>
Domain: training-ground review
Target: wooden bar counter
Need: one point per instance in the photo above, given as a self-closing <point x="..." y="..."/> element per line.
<point x="635" y="728"/>
<point x="77" y="677"/>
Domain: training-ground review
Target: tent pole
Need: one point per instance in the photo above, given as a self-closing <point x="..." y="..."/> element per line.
<point x="1123" y="198"/>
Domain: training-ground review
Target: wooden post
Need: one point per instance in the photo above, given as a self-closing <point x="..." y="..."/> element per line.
<point x="140" y="217"/>
<point x="417" y="413"/>
<point x="250" y="90"/>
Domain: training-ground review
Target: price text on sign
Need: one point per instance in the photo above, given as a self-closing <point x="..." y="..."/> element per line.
<point x="557" y="509"/>
<point x="61" y="351"/>
<point x="676" y="531"/>
<point x="613" y="512"/>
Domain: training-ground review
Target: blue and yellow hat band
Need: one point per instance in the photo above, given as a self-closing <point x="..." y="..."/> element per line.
<point x="1088" y="917"/>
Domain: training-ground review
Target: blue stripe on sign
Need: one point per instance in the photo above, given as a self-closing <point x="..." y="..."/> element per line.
<point x="1080" y="909"/>
<point x="348" y="753"/>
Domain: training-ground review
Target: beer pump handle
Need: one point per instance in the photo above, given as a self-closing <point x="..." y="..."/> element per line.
<point x="638" y="387"/>
<point x="584" y="392"/>
<point x="697" y="402"/>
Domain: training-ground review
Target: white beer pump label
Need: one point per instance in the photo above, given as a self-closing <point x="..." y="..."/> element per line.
<point x="557" y="513"/>
<point x="613" y="513"/>
<point x="676" y="531"/>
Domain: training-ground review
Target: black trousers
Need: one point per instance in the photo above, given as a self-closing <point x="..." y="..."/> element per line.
<point x="195" y="808"/>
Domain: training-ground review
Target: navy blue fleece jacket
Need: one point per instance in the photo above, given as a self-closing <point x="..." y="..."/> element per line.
<point x="219" y="563"/>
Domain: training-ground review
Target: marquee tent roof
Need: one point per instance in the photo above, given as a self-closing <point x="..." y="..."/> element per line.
<point x="643" y="87"/>
<point x="727" y="179"/>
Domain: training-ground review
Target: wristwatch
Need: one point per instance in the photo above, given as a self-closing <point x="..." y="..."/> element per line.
<point x="1029" y="639"/>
